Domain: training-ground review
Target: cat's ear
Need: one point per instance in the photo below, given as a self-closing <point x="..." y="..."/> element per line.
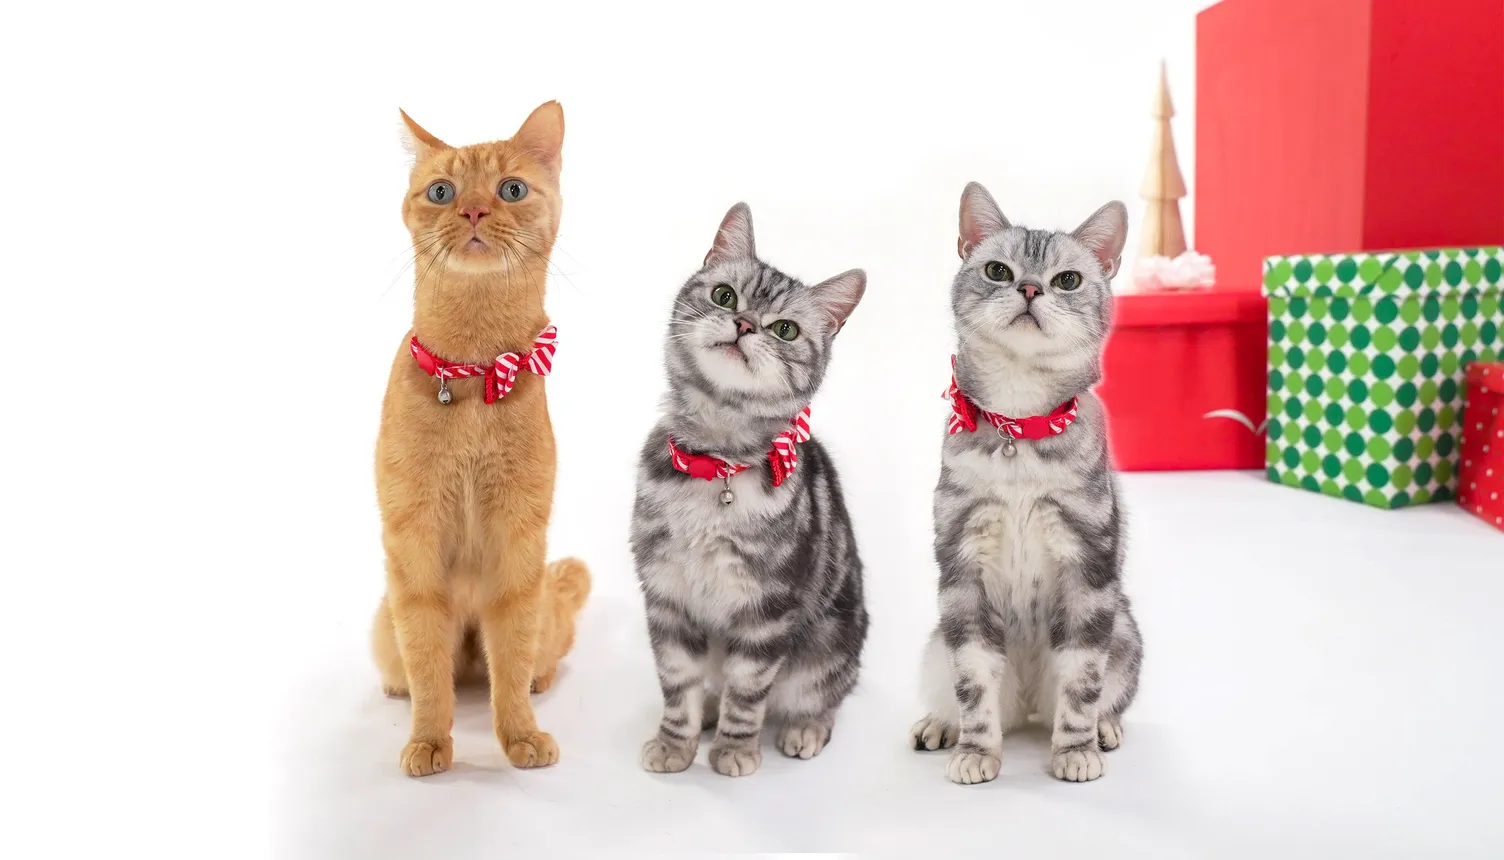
<point x="1104" y="233"/>
<point x="980" y="218"/>
<point x="542" y="134"/>
<point x="733" y="241"/>
<point x="417" y="140"/>
<point x="839" y="295"/>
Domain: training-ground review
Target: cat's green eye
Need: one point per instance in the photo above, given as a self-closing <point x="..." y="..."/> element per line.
<point x="441" y="192"/>
<point x="996" y="271"/>
<point x="785" y="329"/>
<point x="1066" y="280"/>
<point x="724" y="296"/>
<point x="511" y="190"/>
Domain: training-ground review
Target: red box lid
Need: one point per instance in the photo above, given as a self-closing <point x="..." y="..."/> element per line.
<point x="1152" y="308"/>
<point x="1492" y="372"/>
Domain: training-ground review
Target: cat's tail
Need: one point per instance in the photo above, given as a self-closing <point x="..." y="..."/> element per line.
<point x="568" y="585"/>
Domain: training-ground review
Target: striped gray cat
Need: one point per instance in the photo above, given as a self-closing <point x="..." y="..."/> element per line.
<point x="753" y="591"/>
<point x="1029" y="533"/>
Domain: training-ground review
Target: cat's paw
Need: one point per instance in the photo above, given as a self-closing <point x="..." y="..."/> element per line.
<point x="1110" y="733"/>
<point x="932" y="733"/>
<point x="1078" y="765"/>
<point x="659" y="756"/>
<point x="391" y="691"/>
<point x="425" y="758"/>
<point x="735" y="761"/>
<point x="804" y="740"/>
<point x="532" y="749"/>
<point x="970" y="768"/>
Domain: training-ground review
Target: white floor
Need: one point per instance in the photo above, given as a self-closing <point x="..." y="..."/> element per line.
<point x="1322" y="680"/>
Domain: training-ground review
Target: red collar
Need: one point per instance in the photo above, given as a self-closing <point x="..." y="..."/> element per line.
<point x="782" y="457"/>
<point x="964" y="416"/>
<point x="500" y="374"/>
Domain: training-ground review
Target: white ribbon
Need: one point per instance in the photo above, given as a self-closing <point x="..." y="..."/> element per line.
<point x="1239" y="417"/>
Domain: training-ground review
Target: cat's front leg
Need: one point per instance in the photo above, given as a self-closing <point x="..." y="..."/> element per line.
<point x="977" y="665"/>
<point x="423" y="625"/>
<point x="972" y="633"/>
<point x="516" y="553"/>
<point x="1079" y="635"/>
<point x="680" y="650"/>
<point x="749" y="670"/>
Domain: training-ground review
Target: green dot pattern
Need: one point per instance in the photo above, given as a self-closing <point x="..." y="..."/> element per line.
<point x="1367" y="354"/>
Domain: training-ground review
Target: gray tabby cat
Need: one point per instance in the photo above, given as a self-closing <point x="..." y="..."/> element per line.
<point x="1029" y="534"/>
<point x="753" y="592"/>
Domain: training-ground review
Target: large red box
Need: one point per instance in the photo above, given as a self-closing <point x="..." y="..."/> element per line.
<point x="1351" y="125"/>
<point x="1480" y="480"/>
<point x="1175" y="356"/>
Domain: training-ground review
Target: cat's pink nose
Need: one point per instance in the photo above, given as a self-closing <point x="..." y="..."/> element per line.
<point x="744" y="326"/>
<point x="475" y="213"/>
<point x="1029" y="290"/>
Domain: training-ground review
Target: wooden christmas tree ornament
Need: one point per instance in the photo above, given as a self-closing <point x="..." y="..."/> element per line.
<point x="1163" y="234"/>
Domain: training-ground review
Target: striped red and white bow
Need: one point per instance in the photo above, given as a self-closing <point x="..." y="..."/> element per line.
<point x="500" y="374"/>
<point x="783" y="456"/>
<point x="963" y="416"/>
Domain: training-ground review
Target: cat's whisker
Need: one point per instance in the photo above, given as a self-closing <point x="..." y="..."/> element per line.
<point x="694" y="317"/>
<point x="418" y="237"/>
<point x="441" y="254"/>
<point x="695" y="308"/>
<point x="512" y="254"/>
<point x="552" y="267"/>
<point x="964" y="336"/>
<point x="691" y="321"/>
<point x="690" y="315"/>
<point x="560" y="250"/>
<point x="420" y="247"/>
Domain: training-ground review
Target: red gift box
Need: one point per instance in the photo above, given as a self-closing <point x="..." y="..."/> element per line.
<point x="1480" y="481"/>
<point x="1347" y="124"/>
<point x="1175" y="357"/>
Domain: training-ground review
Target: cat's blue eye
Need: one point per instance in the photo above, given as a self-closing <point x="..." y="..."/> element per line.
<point x="784" y="329"/>
<point x="511" y="190"/>
<point x="441" y="192"/>
<point x="724" y="296"/>
<point x="996" y="271"/>
<point x="1066" y="280"/>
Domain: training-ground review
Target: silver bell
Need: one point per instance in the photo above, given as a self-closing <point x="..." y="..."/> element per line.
<point x="1009" y="449"/>
<point x="444" y="395"/>
<point x="727" y="497"/>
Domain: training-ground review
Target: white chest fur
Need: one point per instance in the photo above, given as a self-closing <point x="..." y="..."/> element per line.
<point x="1014" y="532"/>
<point x="700" y="568"/>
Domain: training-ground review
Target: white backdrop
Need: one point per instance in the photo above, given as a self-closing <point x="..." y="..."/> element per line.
<point x="205" y="282"/>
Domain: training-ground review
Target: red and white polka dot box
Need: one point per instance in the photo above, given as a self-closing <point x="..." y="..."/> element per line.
<point x="1480" y="488"/>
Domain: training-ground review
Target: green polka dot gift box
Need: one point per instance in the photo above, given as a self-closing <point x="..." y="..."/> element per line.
<point x="1367" y="357"/>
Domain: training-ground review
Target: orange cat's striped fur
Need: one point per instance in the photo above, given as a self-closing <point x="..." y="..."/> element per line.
<point x="466" y="488"/>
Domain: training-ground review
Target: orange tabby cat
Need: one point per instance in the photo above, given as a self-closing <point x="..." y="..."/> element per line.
<point x="466" y="486"/>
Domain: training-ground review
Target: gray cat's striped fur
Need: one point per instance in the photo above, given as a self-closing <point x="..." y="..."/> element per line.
<point x="1033" y="618"/>
<point x="755" y="608"/>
